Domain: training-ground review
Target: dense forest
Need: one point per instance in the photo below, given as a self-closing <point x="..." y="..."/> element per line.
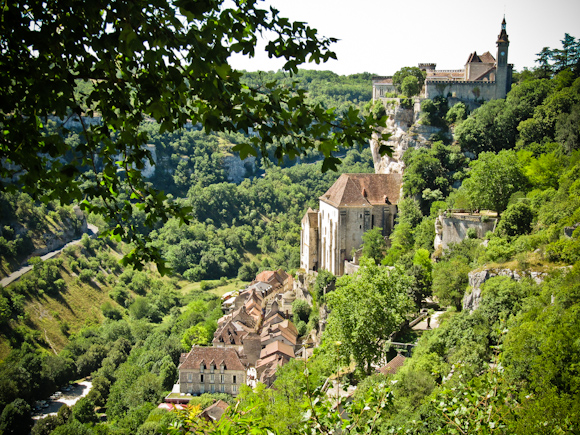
<point x="510" y="366"/>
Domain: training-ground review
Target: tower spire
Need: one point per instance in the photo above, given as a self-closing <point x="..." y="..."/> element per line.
<point x="502" y="37"/>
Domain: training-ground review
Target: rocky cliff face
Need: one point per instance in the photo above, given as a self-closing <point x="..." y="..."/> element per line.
<point x="472" y="299"/>
<point x="406" y="132"/>
<point x="236" y="168"/>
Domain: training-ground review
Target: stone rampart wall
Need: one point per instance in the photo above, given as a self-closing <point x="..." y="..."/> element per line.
<point x="453" y="228"/>
<point x="460" y="89"/>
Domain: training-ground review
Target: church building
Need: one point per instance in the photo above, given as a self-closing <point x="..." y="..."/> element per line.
<point x="353" y="205"/>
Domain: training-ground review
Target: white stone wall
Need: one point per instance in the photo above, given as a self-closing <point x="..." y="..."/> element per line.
<point x="328" y="218"/>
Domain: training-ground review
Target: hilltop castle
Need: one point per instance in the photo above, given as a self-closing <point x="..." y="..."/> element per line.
<point x="483" y="78"/>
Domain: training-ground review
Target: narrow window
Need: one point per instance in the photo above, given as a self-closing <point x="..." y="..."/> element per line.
<point x="222" y="378"/>
<point x="189" y="377"/>
<point x="201" y="378"/>
<point x="213" y="388"/>
<point x="212" y="378"/>
<point x="234" y="379"/>
<point x="234" y="389"/>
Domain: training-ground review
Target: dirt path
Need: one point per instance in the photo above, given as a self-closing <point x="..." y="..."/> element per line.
<point x="93" y="231"/>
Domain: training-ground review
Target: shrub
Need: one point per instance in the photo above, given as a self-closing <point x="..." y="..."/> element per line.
<point x="301" y="310"/>
<point x="110" y="312"/>
<point x="516" y="220"/>
<point x="472" y="233"/>
<point x="86" y="275"/>
<point x="302" y="328"/>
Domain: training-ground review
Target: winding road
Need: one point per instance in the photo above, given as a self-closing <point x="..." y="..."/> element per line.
<point x="93" y="231"/>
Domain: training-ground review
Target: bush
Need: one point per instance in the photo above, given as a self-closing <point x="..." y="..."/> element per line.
<point x="301" y="310"/>
<point x="471" y="233"/>
<point x="516" y="220"/>
<point x="86" y="275"/>
<point x="302" y="328"/>
<point x="110" y="312"/>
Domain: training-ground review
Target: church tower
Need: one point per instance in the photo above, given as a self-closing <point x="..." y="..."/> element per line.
<point x="503" y="76"/>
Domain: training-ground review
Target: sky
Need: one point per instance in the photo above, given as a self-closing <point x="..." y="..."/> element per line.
<point x="381" y="36"/>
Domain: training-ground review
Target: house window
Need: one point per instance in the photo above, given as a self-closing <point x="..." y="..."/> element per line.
<point x="234" y="389"/>
<point x="189" y="389"/>
<point x="202" y="389"/>
<point x="222" y="368"/>
<point x="213" y="388"/>
<point x="201" y="367"/>
<point x="234" y="381"/>
<point x="222" y="379"/>
<point x="201" y="378"/>
<point x="211" y="368"/>
<point x="212" y="378"/>
<point x="190" y="377"/>
<point x="222" y="389"/>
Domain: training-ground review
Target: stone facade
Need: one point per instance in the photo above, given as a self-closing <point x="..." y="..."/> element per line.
<point x="353" y="205"/>
<point x="453" y="227"/>
<point x="211" y="370"/>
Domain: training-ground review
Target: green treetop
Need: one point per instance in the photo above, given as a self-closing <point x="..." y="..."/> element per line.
<point x="122" y="64"/>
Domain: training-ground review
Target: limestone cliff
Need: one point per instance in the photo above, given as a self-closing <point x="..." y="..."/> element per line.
<point x="472" y="299"/>
<point x="406" y="132"/>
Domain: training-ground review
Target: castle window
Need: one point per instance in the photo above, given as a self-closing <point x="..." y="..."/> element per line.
<point x="201" y="378"/>
<point x="211" y="379"/>
<point x="234" y="381"/>
<point x="222" y="389"/>
<point x="222" y="379"/>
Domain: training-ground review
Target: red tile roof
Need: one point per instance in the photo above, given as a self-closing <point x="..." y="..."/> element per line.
<point x="359" y="190"/>
<point x="277" y="347"/>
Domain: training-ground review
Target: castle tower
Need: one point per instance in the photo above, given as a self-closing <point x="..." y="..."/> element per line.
<point x="503" y="77"/>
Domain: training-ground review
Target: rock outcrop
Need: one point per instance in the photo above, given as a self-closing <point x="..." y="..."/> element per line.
<point x="472" y="299"/>
<point x="406" y="132"/>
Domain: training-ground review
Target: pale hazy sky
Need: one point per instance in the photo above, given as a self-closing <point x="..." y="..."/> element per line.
<point x="381" y="36"/>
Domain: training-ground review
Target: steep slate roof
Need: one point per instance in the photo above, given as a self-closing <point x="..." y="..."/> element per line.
<point x="231" y="333"/>
<point x="393" y="365"/>
<point x="481" y="76"/>
<point x="487" y="57"/>
<point x="215" y="355"/>
<point x="360" y="190"/>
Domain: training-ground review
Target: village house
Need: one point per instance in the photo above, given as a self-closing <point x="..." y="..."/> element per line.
<point x="353" y="205"/>
<point x="483" y="78"/>
<point x="211" y="370"/>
